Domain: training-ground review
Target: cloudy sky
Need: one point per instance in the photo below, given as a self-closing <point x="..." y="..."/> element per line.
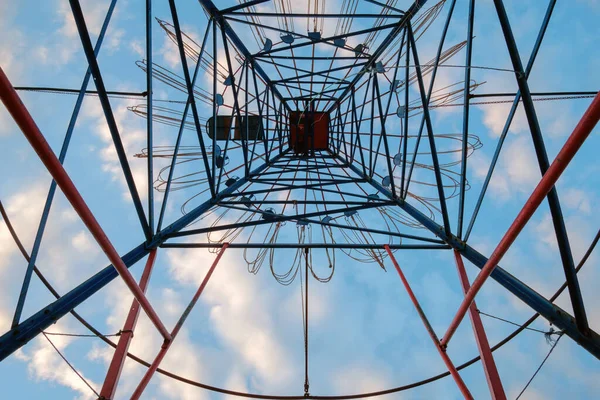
<point x="246" y="331"/>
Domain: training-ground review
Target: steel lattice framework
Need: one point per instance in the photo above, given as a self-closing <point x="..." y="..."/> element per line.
<point x="369" y="165"/>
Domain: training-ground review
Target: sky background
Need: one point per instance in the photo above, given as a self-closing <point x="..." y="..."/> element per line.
<point x="246" y="331"/>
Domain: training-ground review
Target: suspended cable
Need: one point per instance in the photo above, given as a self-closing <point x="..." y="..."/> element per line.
<point x="257" y="396"/>
<point x="540" y="367"/>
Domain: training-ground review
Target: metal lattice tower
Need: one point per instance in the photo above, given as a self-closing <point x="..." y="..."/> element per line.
<point x="322" y="144"/>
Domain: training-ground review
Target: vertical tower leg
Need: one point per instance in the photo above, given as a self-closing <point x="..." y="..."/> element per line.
<point x="167" y="343"/>
<point x="116" y="365"/>
<point x="487" y="359"/>
<point x="566" y="154"/>
<point x="21" y="115"/>
<point x="453" y="371"/>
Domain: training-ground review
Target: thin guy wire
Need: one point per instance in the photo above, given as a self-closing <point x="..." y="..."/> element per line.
<point x="251" y="395"/>
<point x="540" y="367"/>
<point x="515" y="324"/>
<point x="70" y="365"/>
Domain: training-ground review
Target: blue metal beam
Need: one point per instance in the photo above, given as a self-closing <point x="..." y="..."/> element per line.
<point x="149" y="109"/>
<point x="352" y="246"/>
<point x="511" y="114"/>
<point x="558" y="221"/>
<point x="163" y="206"/>
<point x="63" y="154"/>
<point x="32" y="326"/>
<point x="465" y="132"/>
<point x="110" y="118"/>
<point x="430" y="135"/>
<point x="383" y="134"/>
<point x="275" y="218"/>
<point x="324" y="40"/>
<point x="190" y="88"/>
<point x="404" y="190"/>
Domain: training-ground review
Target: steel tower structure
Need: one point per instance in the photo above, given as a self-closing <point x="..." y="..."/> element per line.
<point x="260" y="157"/>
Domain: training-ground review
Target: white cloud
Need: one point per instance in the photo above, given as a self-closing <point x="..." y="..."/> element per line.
<point x="495" y="118"/>
<point x="516" y="171"/>
<point x="170" y="54"/>
<point x="12" y="58"/>
<point x="94" y="13"/>
<point x="137" y="47"/>
<point x="114" y="39"/>
<point x="237" y="316"/>
<point x="133" y="137"/>
<point x="184" y="357"/>
<point x="84" y="243"/>
<point x="361" y="378"/>
<point x="577" y="199"/>
<point x="520" y="164"/>
<point x="45" y="364"/>
<point x="23" y="209"/>
<point x="63" y="233"/>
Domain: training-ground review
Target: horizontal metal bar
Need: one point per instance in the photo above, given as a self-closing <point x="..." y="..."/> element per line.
<point x="319" y="15"/>
<point x="241" y="6"/>
<point x="313" y="187"/>
<point x="326" y="40"/>
<point x="333" y="81"/>
<point x="385" y="6"/>
<point x="308" y="73"/>
<point x="319" y="73"/>
<point x="32" y="326"/>
<point x="589" y="93"/>
<point x="314" y="97"/>
<point x="319" y="202"/>
<point x="316" y="58"/>
<point x="275" y="180"/>
<point x="375" y="231"/>
<point x="76" y="91"/>
<point x="275" y="219"/>
<point x="315" y="170"/>
<point x="168" y="245"/>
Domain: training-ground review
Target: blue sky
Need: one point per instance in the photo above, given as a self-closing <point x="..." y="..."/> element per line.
<point x="246" y="331"/>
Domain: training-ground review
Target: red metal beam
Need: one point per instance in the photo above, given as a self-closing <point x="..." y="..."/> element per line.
<point x="167" y="343"/>
<point x="19" y="112"/>
<point x="453" y="371"/>
<point x="566" y="154"/>
<point x="487" y="359"/>
<point x="116" y="365"/>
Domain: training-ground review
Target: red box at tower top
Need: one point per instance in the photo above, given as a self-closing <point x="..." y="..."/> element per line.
<point x="308" y="131"/>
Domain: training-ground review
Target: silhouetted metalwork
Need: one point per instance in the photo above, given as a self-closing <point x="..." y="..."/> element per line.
<point x="296" y="150"/>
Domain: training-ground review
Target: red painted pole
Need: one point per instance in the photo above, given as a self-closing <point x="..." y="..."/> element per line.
<point x="19" y="112"/>
<point x="167" y="343"/>
<point x="116" y="365"/>
<point x="566" y="154"/>
<point x="453" y="371"/>
<point x="487" y="359"/>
